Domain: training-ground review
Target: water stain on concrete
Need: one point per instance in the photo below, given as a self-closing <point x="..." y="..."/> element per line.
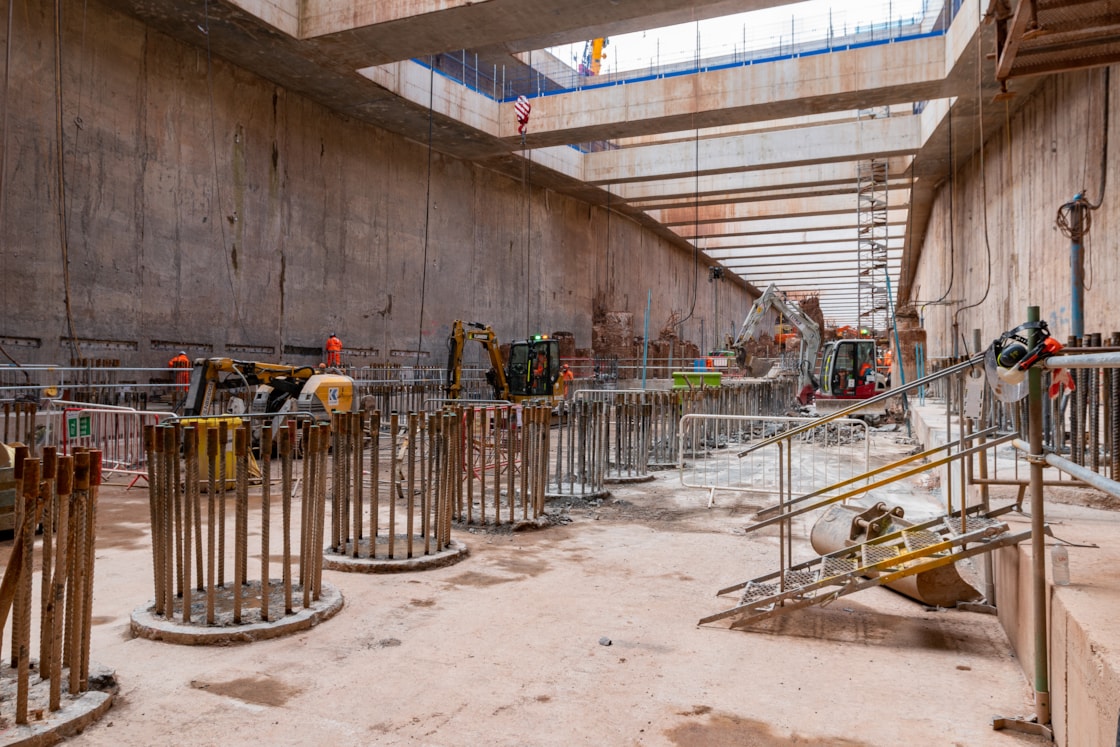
<point x="260" y="689"/>
<point x="726" y="730"/>
<point x="473" y="578"/>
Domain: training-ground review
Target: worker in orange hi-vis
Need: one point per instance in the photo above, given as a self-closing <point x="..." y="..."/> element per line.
<point x="334" y="350"/>
<point x="567" y="375"/>
<point x="181" y="363"/>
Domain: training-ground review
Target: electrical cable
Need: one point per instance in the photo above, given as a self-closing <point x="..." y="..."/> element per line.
<point x="952" y="218"/>
<point x="427" y="210"/>
<point x="695" y="202"/>
<point x="1104" y="137"/>
<point x="63" y="232"/>
<point x="4" y="130"/>
<point x="983" y="183"/>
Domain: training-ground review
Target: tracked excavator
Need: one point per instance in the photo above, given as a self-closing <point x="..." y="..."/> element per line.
<point x="532" y="373"/>
<point x="771" y="302"/>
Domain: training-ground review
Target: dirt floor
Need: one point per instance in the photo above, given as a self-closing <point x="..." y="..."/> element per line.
<point x="581" y="633"/>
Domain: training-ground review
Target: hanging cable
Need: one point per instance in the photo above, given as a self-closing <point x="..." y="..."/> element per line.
<point x="1104" y="137"/>
<point x="4" y="133"/>
<point x="983" y="183"/>
<point x="695" y="201"/>
<point x="952" y="221"/>
<point x="427" y="210"/>
<point x="75" y="350"/>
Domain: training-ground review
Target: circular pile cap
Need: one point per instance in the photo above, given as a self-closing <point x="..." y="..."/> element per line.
<point x="147" y="624"/>
<point x="344" y="561"/>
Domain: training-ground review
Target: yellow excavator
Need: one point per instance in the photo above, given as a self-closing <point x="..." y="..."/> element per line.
<point x="279" y="388"/>
<point x="532" y="373"/>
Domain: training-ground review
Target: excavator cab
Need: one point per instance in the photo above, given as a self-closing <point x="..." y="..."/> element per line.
<point x="534" y="367"/>
<point x="849" y="371"/>
<point x="533" y="370"/>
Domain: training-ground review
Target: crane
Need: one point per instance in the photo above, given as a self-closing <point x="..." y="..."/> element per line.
<point x="772" y="299"/>
<point x="593" y="56"/>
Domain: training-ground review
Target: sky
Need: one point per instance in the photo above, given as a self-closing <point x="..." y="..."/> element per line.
<point x="758" y="29"/>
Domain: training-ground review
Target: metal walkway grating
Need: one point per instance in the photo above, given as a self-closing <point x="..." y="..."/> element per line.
<point x="887" y="558"/>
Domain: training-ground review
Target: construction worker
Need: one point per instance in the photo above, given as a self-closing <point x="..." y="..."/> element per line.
<point x="539" y="380"/>
<point x="866" y="373"/>
<point x="567" y="375"/>
<point x="181" y="363"/>
<point x="334" y="350"/>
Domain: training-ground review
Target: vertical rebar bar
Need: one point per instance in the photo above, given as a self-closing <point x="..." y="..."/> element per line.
<point x="90" y="532"/>
<point x="266" y="510"/>
<point x="212" y="456"/>
<point x="21" y="633"/>
<point x="222" y="477"/>
<point x="61" y="573"/>
<point x="49" y="503"/>
<point x="321" y="505"/>
<point x="375" y="482"/>
<point x="190" y="455"/>
<point x="287" y="442"/>
<point x="357" y="457"/>
<point x="410" y="495"/>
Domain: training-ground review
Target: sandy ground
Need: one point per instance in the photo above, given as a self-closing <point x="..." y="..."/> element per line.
<point x="579" y="634"/>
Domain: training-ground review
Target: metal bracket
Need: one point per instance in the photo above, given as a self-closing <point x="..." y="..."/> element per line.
<point x="1036" y="459"/>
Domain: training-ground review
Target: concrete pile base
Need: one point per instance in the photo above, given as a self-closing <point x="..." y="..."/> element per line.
<point x="146" y="624"/>
<point x="345" y="561"/>
<point x="77" y="711"/>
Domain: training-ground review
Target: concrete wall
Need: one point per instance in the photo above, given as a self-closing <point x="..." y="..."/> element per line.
<point x="994" y="221"/>
<point x="209" y="210"/>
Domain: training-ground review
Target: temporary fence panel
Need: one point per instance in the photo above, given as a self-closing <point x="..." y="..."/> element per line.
<point x="117" y="432"/>
<point x="809" y="461"/>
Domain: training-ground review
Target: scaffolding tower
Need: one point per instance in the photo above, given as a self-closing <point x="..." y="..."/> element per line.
<point x="873" y="298"/>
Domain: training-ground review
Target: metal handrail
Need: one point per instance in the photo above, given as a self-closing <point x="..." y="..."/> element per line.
<point x="860" y="404"/>
<point x="1088" y="476"/>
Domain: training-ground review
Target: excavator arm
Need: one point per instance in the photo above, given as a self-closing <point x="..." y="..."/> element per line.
<point x="211" y="374"/>
<point x="456" y="342"/>
<point x="809" y="331"/>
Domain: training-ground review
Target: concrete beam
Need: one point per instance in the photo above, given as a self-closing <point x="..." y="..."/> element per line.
<point x="742" y="182"/>
<point x="872" y="138"/>
<point x="771" y="225"/>
<point x="818" y="238"/>
<point x="401" y="29"/>
<point x="747" y="254"/>
<point x="888" y="74"/>
<point x="781" y="207"/>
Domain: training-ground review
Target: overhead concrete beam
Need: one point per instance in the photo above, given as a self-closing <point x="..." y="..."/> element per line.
<point x="801" y="250"/>
<point x="888" y="74"/>
<point x="779" y="192"/>
<point x="855" y="141"/>
<point x="821" y="238"/>
<point x="767" y="226"/>
<point x="399" y="29"/>
<point x="778" y="207"/>
<point x="797" y="177"/>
